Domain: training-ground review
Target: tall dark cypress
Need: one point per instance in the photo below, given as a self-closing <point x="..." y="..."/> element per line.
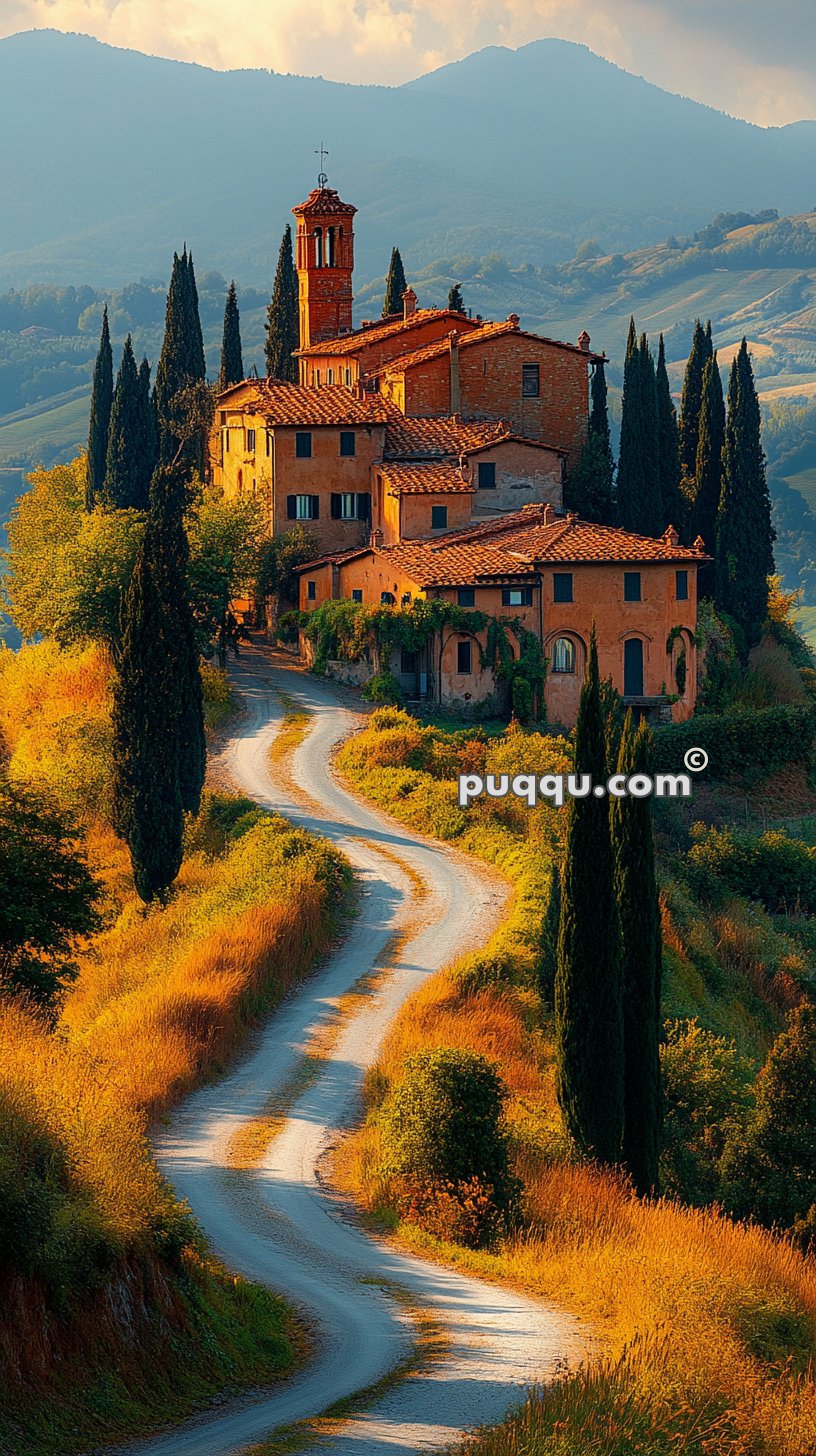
<point x="455" y="299"/>
<point x="124" y="470"/>
<point x="148" y="810"/>
<point x="671" y="496"/>
<point x="692" y="399"/>
<point x="630" y="459"/>
<point x="147" y="433"/>
<point x="395" y="285"/>
<point x="589" y="487"/>
<point x="282" y="327"/>
<point x="180" y="365"/>
<point x="232" y="358"/>
<point x="708" y="474"/>
<point x="101" y="402"/>
<point x="588" y="1004"/>
<point x="650" y="513"/>
<point x="745" y="536"/>
<point x="641" y="964"/>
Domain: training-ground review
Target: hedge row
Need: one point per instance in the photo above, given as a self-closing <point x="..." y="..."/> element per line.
<point x="754" y="742"/>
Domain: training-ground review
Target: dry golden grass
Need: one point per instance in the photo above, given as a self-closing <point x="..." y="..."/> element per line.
<point x="708" y="1327"/>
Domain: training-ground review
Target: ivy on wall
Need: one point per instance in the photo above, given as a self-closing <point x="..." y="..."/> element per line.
<point x="342" y="630"/>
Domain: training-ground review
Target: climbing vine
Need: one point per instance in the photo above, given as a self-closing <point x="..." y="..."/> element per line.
<point x="681" y="665"/>
<point x="342" y="630"/>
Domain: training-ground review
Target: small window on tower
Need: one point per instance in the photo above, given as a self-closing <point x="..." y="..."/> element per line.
<point x="348" y="379"/>
<point x="330" y="376"/>
<point x="250" y="442"/>
<point x="318" y="237"/>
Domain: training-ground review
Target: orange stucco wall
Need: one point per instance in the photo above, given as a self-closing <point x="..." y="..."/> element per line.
<point x="415" y="514"/>
<point x="525" y="475"/>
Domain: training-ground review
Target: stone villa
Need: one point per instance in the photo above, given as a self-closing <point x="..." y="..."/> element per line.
<point x="427" y="453"/>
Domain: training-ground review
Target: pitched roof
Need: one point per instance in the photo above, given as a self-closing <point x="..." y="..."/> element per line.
<point x="409" y="438"/>
<point x="481" y="335"/>
<point x="324" y="200"/>
<point x="376" y="333"/>
<point x="425" y="477"/>
<point x="301" y="406"/>
<point x="538" y="532"/>
<point x="457" y="565"/>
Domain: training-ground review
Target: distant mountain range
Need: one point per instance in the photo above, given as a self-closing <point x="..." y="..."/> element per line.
<point x="111" y="159"/>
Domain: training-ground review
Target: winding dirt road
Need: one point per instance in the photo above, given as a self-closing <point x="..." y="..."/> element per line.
<point x="277" y="1226"/>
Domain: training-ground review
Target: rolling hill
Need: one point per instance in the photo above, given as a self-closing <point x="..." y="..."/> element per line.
<point x="112" y="158"/>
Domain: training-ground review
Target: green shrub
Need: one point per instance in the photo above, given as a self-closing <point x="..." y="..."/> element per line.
<point x="383" y="688"/>
<point x="706" y="1091"/>
<point x="443" y="1122"/>
<point x="751" y="742"/>
<point x="769" y="1167"/>
<point x="778" y="871"/>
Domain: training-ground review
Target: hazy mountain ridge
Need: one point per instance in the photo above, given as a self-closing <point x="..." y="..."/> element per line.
<point x="524" y="152"/>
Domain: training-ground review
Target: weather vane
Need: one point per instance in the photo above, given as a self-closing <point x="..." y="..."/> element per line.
<point x="322" y="179"/>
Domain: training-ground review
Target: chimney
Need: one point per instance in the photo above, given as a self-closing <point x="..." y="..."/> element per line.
<point x="514" y="320"/>
<point x="455" y="392"/>
<point x="409" y="303"/>
<point x="584" y="341"/>
<point x="670" y="536"/>
<point x="547" y="515"/>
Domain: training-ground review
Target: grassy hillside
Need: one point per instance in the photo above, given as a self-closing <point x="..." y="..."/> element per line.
<point x="707" y="1327"/>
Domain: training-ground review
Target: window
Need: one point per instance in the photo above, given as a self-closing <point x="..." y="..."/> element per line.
<point x="487" y="475"/>
<point x="348" y="379"/>
<point x="357" y="595"/>
<point x="563" y="655"/>
<point x="268" y="442"/>
<point x="330" y="240"/>
<point x="250" y="442"/>
<point x="466" y="597"/>
<point x="633" y="668"/>
<point x="517" y="596"/>
<point x="348" y="442"/>
<point x="562" y="586"/>
<point x="463" y="656"/>
<point x="631" y="586"/>
<point x="318" y="237"/>
<point x="387" y="598"/>
<point x="311" y="590"/>
<point x="303" y="507"/>
<point x="349" y="505"/>
<point x="316" y="377"/>
<point x="330" y="376"/>
<point x="407" y="661"/>
<point x="303" y="444"/>
<point x="681" y="585"/>
<point x="530" y="381"/>
<point x="439" y="518"/>
<point x="226" y="441"/>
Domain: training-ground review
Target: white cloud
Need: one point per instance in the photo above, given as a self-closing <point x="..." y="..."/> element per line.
<point x="745" y="56"/>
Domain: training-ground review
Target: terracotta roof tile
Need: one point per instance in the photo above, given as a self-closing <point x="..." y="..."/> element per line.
<point x="411" y="439"/>
<point x="535" y="532"/>
<point x="389" y="328"/>
<point x="425" y="477"/>
<point x="324" y="200"/>
<point x="456" y="565"/>
<point x="299" y="405"/>
<point x="480" y="335"/>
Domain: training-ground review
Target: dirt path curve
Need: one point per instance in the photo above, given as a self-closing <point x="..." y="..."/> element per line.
<point x="281" y="1229"/>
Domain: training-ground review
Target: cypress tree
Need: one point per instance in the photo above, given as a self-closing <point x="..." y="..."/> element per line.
<point x="232" y="358"/>
<point x="641" y="958"/>
<point x="101" y="402"/>
<point x="630" y="460"/>
<point x="692" y="399"/>
<point x="639" y="505"/>
<point x="181" y="364"/>
<point x="588" y="1009"/>
<point x="148" y="810"/>
<point x="588" y="488"/>
<point x="171" y="556"/>
<point x="455" y="299"/>
<point x="708" y="474"/>
<point x="672" y="500"/>
<point x="745" y="536"/>
<point x="650" y="514"/>
<point x="395" y="285"/>
<point x="124" y="471"/>
<point x="147" y="435"/>
<point x="282" y="328"/>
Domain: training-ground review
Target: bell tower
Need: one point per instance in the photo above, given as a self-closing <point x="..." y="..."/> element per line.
<point x="324" y="259"/>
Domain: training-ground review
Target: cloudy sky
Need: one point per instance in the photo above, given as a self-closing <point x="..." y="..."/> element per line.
<point x="754" y="58"/>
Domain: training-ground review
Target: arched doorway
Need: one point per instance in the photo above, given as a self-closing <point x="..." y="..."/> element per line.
<point x="633" y="668"/>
